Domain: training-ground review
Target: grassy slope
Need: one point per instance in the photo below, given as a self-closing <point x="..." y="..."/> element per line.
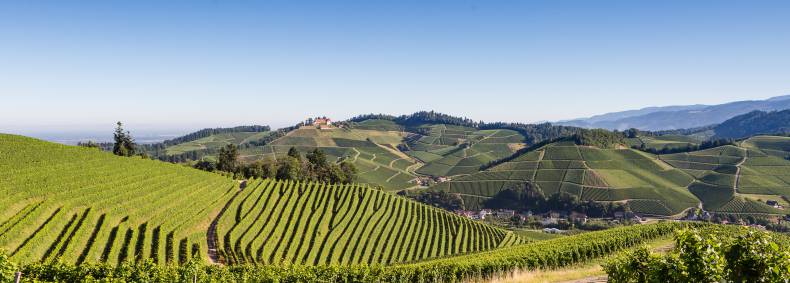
<point x="81" y="204"/>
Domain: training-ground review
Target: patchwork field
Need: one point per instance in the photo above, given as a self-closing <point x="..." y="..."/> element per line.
<point x="280" y="222"/>
<point x="667" y="142"/>
<point x="726" y="179"/>
<point x="81" y="205"/>
<point x="373" y="152"/>
<point x="587" y="172"/>
<point x="449" y="150"/>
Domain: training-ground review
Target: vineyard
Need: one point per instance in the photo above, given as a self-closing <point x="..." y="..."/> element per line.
<point x="311" y="224"/>
<point x="451" y="150"/>
<point x="559" y="252"/>
<point x="80" y="205"/>
<point x="588" y="173"/>
<point x="373" y="152"/>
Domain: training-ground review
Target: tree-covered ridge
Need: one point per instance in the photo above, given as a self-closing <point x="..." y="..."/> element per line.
<point x="755" y="123"/>
<point x="419" y="118"/>
<point x="213" y="131"/>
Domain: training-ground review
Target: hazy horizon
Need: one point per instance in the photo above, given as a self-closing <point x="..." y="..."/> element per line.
<point x="177" y="66"/>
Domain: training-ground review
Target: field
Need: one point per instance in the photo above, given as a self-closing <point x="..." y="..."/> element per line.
<point x="576" y="250"/>
<point x="451" y="150"/>
<point x="728" y="177"/>
<point x="281" y="222"/>
<point x="215" y="142"/>
<point x="587" y="172"/>
<point x="374" y="153"/>
<point x="80" y="205"/>
<point x="667" y="142"/>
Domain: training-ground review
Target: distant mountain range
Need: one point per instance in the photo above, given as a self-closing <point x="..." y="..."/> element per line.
<point x="678" y="117"/>
<point x="754" y="123"/>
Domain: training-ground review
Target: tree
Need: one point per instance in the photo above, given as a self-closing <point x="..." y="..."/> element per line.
<point x="124" y="143"/>
<point x="205" y="166"/>
<point x="289" y="168"/>
<point x="292" y="152"/>
<point x="228" y="158"/>
<point x="89" y="144"/>
<point x="441" y="199"/>
<point x="349" y="171"/>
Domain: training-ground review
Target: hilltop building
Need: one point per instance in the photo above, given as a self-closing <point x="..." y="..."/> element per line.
<point x="322" y="123"/>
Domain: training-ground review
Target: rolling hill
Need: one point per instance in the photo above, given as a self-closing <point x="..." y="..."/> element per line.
<point x="449" y="150"/>
<point x="587" y="172"/>
<point x="726" y="179"/>
<point x="80" y="205"/>
<point x="373" y="152"/>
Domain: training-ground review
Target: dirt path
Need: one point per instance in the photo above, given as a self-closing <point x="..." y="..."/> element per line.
<point x="738" y="174"/>
<point x="211" y="235"/>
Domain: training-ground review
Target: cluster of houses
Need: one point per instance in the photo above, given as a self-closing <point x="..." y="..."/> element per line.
<point x="487" y="213"/>
<point x="549" y="218"/>
<point x="427" y="181"/>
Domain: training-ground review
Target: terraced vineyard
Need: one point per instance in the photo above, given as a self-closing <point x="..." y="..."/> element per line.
<point x="726" y="179"/>
<point x="587" y="172"/>
<point x="667" y="142"/>
<point x="728" y="175"/>
<point x="216" y="141"/>
<point x="82" y="205"/>
<point x="283" y="222"/>
<point x="451" y="150"/>
<point x="374" y="153"/>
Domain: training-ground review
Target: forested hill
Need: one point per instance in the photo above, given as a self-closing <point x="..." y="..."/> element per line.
<point x="754" y="123"/>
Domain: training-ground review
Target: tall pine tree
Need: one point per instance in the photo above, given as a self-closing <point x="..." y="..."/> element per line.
<point x="124" y="143"/>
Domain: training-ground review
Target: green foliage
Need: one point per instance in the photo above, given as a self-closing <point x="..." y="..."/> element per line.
<point x="440" y="199"/>
<point x="552" y="253"/>
<point x="599" y="138"/>
<point x="124" y="143"/>
<point x="228" y="158"/>
<point x="7" y="268"/>
<point x="707" y="256"/>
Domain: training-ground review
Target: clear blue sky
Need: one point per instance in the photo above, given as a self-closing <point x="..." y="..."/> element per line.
<point x="70" y="65"/>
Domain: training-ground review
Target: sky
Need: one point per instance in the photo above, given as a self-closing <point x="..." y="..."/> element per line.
<point x="176" y="66"/>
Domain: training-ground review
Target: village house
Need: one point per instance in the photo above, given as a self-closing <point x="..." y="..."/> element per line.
<point x="504" y="213"/>
<point x="552" y="230"/>
<point x="578" y="217"/>
<point x="484" y="213"/>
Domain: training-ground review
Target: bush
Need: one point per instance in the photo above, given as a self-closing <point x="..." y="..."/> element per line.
<point x="7" y="268"/>
<point x="751" y="256"/>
